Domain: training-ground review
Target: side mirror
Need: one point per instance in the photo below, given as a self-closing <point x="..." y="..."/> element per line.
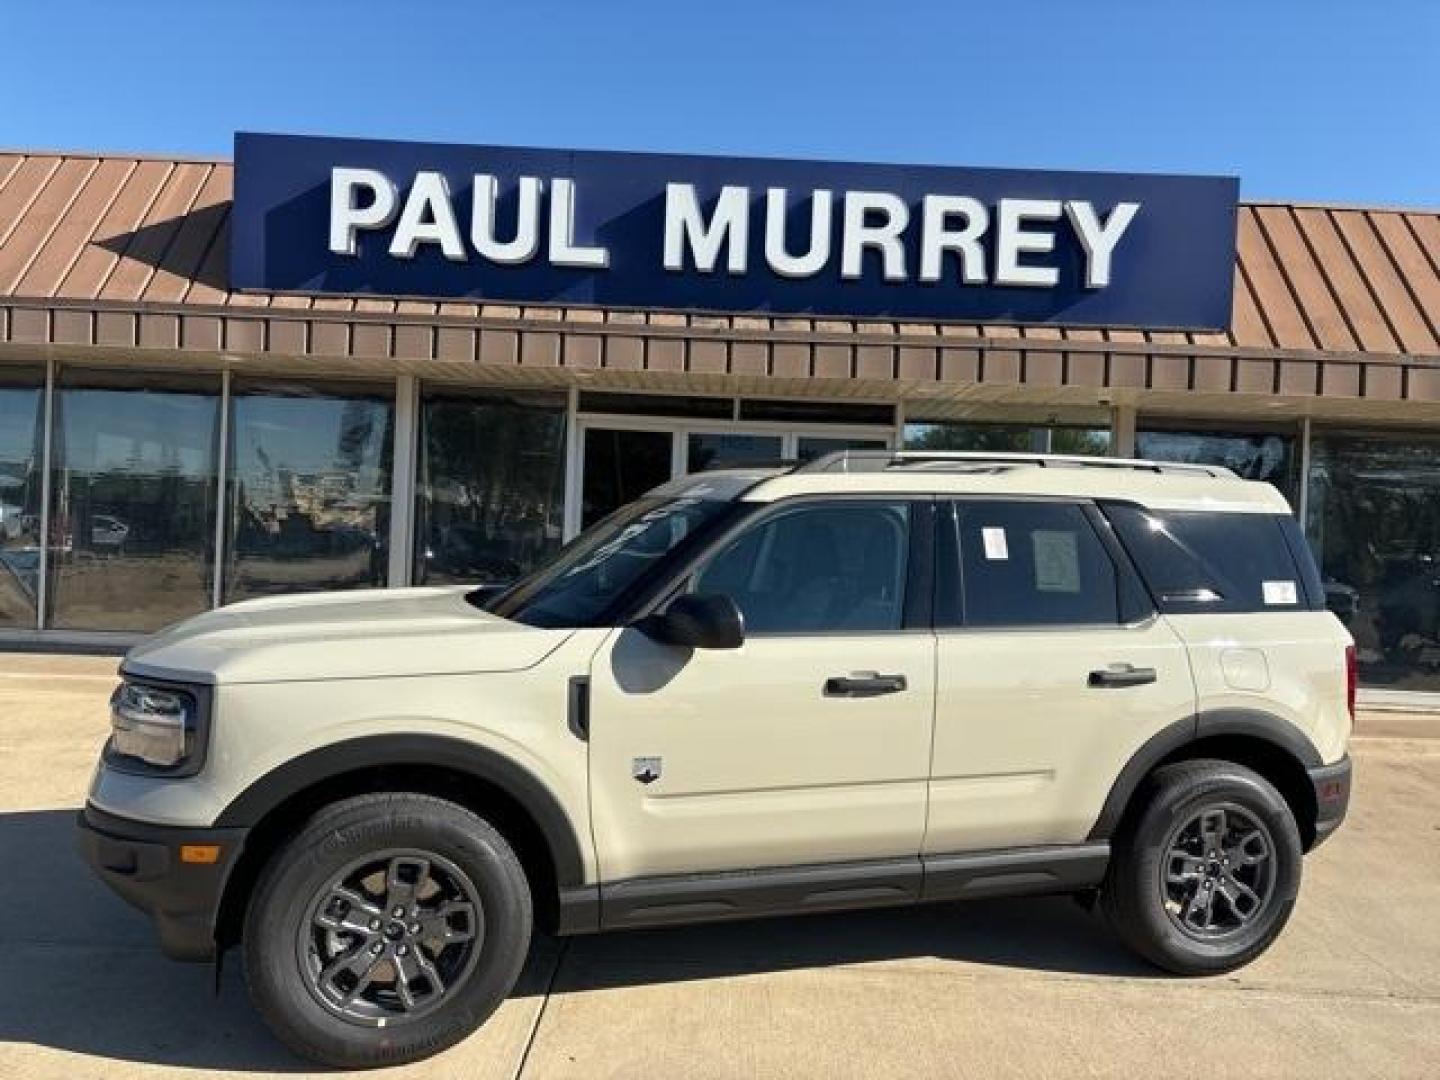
<point x="697" y="622"/>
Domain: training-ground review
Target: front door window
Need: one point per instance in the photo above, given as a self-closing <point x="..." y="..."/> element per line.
<point x="818" y="569"/>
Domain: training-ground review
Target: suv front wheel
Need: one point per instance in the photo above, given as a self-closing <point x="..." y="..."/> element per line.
<point x="1204" y="877"/>
<point x="390" y="927"/>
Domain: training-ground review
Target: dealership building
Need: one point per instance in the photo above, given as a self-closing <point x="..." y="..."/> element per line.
<point x="335" y="364"/>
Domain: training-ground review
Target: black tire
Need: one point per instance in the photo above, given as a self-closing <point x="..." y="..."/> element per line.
<point x="431" y="854"/>
<point x="1155" y="894"/>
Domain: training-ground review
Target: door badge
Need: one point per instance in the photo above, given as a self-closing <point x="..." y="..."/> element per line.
<point x="645" y="769"/>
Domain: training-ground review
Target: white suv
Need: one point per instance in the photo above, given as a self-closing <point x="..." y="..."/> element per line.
<point x="877" y="679"/>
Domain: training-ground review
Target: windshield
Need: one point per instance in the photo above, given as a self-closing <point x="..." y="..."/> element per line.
<point x="586" y="578"/>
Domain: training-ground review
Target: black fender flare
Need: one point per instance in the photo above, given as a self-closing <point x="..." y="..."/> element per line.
<point x="488" y="766"/>
<point x="1251" y="723"/>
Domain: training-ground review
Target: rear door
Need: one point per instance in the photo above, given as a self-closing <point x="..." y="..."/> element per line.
<point x="1052" y="670"/>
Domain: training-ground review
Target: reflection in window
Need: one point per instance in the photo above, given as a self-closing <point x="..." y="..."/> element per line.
<point x="1200" y="561"/>
<point x="1007" y="439"/>
<point x="1374" y="512"/>
<point x="132" y="512"/>
<point x="594" y="571"/>
<point x="22" y="401"/>
<point x="309" y="491"/>
<point x="492" y="487"/>
<point x="721" y="450"/>
<point x="1268" y="457"/>
<point x="817" y="569"/>
<point x="619" y="467"/>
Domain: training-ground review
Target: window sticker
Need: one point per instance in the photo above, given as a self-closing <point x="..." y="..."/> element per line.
<point x="993" y="538"/>
<point x="1057" y="560"/>
<point x="1279" y="592"/>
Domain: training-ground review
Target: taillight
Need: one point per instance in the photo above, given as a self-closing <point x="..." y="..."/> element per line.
<point x="1350" y="680"/>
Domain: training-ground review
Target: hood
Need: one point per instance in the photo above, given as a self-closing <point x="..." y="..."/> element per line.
<point x="342" y="635"/>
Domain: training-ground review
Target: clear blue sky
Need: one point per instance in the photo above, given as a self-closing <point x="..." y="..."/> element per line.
<point x="1303" y="99"/>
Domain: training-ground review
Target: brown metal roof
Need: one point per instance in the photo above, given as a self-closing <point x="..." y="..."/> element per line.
<point x="132" y="252"/>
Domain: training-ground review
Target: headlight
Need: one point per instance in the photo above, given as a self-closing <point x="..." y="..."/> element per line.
<point x="155" y="729"/>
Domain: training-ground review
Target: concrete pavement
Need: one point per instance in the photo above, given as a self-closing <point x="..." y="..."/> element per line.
<point x="1020" y="988"/>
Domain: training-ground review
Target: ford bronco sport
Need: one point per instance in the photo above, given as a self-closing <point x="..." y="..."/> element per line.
<point x="877" y="679"/>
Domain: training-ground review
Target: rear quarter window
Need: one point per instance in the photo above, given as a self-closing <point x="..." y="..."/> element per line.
<point x="1204" y="561"/>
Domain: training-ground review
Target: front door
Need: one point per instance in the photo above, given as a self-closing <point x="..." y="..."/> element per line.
<point x="810" y="743"/>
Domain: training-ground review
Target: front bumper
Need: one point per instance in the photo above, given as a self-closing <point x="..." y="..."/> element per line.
<point x="141" y="861"/>
<point x="1332" y="797"/>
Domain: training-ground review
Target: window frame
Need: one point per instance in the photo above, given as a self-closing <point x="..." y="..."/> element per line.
<point x="916" y="606"/>
<point x="1135" y="607"/>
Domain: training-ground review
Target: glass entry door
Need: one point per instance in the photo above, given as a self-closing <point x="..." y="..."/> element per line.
<point x="618" y="465"/>
<point x="620" y="459"/>
<point x="706" y="450"/>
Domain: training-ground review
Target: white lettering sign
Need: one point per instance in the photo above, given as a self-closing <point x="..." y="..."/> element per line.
<point x="1011" y="244"/>
<point x="777" y="256"/>
<point x="346" y="216"/>
<point x="685" y="226"/>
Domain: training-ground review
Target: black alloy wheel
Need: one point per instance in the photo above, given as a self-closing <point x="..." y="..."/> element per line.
<point x="388" y="928"/>
<point x="389" y="934"/>
<point x="1219" y="871"/>
<point x="1205" y="868"/>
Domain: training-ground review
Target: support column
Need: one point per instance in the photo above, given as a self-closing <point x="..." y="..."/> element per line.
<point x="1302" y="511"/>
<point x="1122" y="431"/>
<point x="47" y="426"/>
<point x="573" y="462"/>
<point x="402" y="480"/>
<point x="222" y="509"/>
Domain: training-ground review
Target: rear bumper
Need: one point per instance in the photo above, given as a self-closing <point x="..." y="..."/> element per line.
<point x="1332" y="797"/>
<point x="142" y="863"/>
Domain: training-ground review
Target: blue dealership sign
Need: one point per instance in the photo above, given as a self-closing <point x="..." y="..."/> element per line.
<point x="732" y="234"/>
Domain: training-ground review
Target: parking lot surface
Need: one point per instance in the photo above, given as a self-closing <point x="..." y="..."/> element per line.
<point x="988" y="989"/>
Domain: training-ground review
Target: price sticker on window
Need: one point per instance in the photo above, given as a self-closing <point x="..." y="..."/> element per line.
<point x="993" y="537"/>
<point x="1279" y="593"/>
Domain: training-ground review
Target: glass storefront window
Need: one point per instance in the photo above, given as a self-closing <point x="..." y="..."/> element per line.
<point x="309" y="489"/>
<point x="1374" y="523"/>
<point x="491" y="496"/>
<point x="722" y="450"/>
<point x="1260" y="456"/>
<point x="132" y="523"/>
<point x="22" y="405"/>
<point x="1007" y="439"/>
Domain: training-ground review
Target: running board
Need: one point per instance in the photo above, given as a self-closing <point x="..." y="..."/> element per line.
<point x="794" y="890"/>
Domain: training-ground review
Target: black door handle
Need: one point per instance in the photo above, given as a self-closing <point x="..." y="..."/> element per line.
<point x="864" y="684"/>
<point x="1120" y="675"/>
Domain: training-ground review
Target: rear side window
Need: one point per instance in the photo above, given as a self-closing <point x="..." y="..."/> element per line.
<point x="1031" y="564"/>
<point x="1198" y="561"/>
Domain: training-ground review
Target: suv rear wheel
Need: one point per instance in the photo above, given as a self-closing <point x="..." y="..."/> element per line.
<point x="390" y="927"/>
<point x="1204" y="877"/>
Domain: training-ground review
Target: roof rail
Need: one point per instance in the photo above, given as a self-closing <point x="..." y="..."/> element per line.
<point x="976" y="461"/>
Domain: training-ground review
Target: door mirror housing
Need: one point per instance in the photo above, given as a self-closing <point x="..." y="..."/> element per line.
<point x="696" y="621"/>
